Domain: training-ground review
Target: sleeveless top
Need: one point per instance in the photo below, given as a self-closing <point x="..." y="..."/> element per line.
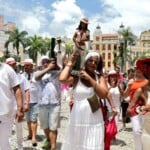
<point x="136" y="85"/>
<point x="82" y="92"/>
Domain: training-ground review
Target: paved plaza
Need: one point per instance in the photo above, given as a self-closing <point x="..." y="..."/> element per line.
<point x="124" y="139"/>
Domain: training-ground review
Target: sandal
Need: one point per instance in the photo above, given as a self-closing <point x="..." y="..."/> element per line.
<point x="34" y="144"/>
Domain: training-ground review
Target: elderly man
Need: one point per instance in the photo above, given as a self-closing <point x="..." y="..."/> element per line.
<point x="32" y="114"/>
<point x="10" y="93"/>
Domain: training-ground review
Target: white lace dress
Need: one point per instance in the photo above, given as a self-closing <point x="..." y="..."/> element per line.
<point x="85" y="130"/>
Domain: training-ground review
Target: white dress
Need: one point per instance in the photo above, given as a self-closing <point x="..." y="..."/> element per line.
<point x="115" y="94"/>
<point x="85" y="130"/>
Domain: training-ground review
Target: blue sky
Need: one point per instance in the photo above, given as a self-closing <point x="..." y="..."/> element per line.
<point x="61" y="17"/>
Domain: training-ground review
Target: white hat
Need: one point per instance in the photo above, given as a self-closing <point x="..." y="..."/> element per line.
<point x="58" y="38"/>
<point x="28" y="61"/>
<point x="10" y="61"/>
<point x="112" y="72"/>
<point x="45" y="58"/>
<point x="92" y="54"/>
<point x="85" y="20"/>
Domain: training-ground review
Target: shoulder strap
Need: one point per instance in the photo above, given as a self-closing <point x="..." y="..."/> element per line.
<point x="97" y="79"/>
<point x="76" y="79"/>
<point x="104" y="110"/>
<point x="102" y="105"/>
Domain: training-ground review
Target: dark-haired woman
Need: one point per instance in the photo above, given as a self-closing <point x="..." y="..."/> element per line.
<point x="86" y="128"/>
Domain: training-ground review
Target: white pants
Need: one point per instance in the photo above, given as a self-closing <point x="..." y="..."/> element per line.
<point x="137" y="123"/>
<point x="19" y="134"/>
<point x="5" y="132"/>
<point x="146" y="132"/>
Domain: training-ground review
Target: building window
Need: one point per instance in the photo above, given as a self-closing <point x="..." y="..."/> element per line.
<point x="115" y="47"/>
<point x="103" y="47"/>
<point x="136" y="54"/>
<point x="109" y="64"/>
<point x="104" y="63"/>
<point x="109" y="56"/>
<point x="103" y="56"/>
<point x="97" y="47"/>
<point x="109" y="46"/>
<point x="115" y="55"/>
<point x="97" y="38"/>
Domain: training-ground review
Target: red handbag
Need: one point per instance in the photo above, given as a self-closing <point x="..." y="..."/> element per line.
<point x="110" y="132"/>
<point x="109" y="125"/>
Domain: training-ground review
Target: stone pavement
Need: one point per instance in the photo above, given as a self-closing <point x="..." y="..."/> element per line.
<point x="124" y="139"/>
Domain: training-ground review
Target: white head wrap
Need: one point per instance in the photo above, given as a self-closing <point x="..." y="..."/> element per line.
<point x="92" y="54"/>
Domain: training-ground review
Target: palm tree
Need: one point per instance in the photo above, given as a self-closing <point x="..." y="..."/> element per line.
<point x="127" y="38"/>
<point x="69" y="46"/>
<point x="37" y="45"/>
<point x="16" y="38"/>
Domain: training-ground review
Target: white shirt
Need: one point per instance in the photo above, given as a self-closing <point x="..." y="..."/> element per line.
<point x="24" y="84"/>
<point x="50" y="89"/>
<point x="115" y="93"/>
<point x="8" y="80"/>
<point x="34" y="88"/>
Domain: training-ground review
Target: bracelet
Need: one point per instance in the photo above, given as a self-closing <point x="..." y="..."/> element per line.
<point x="68" y="65"/>
<point x="27" y="103"/>
<point x="113" y="107"/>
<point x="19" y="109"/>
<point x="140" y="109"/>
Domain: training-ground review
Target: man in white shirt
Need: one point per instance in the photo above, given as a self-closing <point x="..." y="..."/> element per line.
<point x="9" y="93"/>
<point x="32" y="113"/>
<point x="49" y="102"/>
<point x="24" y="84"/>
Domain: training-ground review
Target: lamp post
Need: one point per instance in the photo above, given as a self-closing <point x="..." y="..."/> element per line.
<point x="121" y="47"/>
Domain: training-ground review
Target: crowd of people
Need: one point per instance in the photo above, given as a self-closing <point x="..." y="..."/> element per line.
<point x="36" y="95"/>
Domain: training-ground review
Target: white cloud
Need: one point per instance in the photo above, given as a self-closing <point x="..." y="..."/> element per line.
<point x="66" y="10"/>
<point x="134" y="13"/>
<point x="65" y="17"/>
<point x="62" y="17"/>
<point x="32" y="24"/>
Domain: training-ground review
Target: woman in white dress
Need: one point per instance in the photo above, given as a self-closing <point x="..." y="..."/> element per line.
<point x="85" y="130"/>
<point x="115" y="93"/>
